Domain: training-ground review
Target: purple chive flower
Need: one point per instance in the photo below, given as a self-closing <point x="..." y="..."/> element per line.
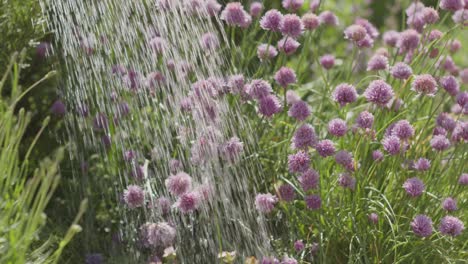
<point x="271" y="20"/>
<point x="422" y="164"/>
<point x="292" y="97"/>
<point x="58" y="108"/>
<point x="403" y="130"/>
<point x="439" y="131"/>
<point x="366" y="42"/>
<point x="236" y="83"/>
<point x="299" y="245"/>
<point x="408" y="40"/>
<point x="461" y="131"/>
<point x="188" y="202"/>
<point x="286" y="192"/>
<point x="337" y="127"/>
<point x="371" y="30"/>
<point x="345" y="159"/>
<point x="431" y="16"/>
<point x="265" y="202"/>
<point x="325" y="148"/>
<point x="377" y="63"/>
<point x="450" y="84"/>
<point x="269" y="260"/>
<point x="373" y="218"/>
<point x="445" y="121"/>
<point x="451" y="5"/>
<point x="159" y="234"/>
<point x="291" y="26"/>
<point x="266" y="52"/>
<point x="449" y="204"/>
<point x="347" y="181"/>
<point x="365" y="120"/>
<point x="422" y="226"/>
<point x="424" y="84"/>
<point x="313" y="202"/>
<point x="440" y="143"/>
<point x="235" y="15"/>
<point x="460" y="17"/>
<point x="328" y="18"/>
<point x="256" y="9"/>
<point x="269" y="105"/>
<point x="179" y="183"/>
<point x="259" y="89"/>
<point x="450" y="225"/>
<point x="355" y="32"/>
<point x="377" y="155"/>
<point x="288" y="260"/>
<point x="455" y="46"/>
<point x="327" y="61"/>
<point x="292" y="5"/>
<point x="310" y="21"/>
<point x="304" y="137"/>
<point x="463" y="180"/>
<point x="379" y="93"/>
<point x="414" y="187"/>
<point x="285" y="76"/>
<point x="134" y="196"/>
<point x="212" y="7"/>
<point x="232" y="149"/>
<point x="298" y="162"/>
<point x="391" y="37"/>
<point x="462" y="99"/>
<point x="299" y="110"/>
<point x="309" y="179"/>
<point x="344" y="94"/>
<point x="392" y="145"/>
<point x="94" y="258"/>
<point x="288" y="45"/>
<point x="209" y="41"/>
<point x="401" y="71"/>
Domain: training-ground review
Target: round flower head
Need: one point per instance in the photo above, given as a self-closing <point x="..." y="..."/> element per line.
<point x="286" y="192"/>
<point x="382" y="51"/>
<point x="325" y="148"/>
<point x="134" y="196"/>
<point x="445" y="121"/>
<point x="450" y="225"/>
<point x="370" y="29"/>
<point x="314" y="5"/>
<point x="259" y="88"/>
<point x="58" y="108"/>
<point x="366" y="42"/>
<point x="256" y="9"/>
<point x="291" y="26"/>
<point x="310" y="21"/>
<point x="328" y="18"/>
<point x="449" y="204"/>
<point x="209" y="41"/>
<point x="212" y="7"/>
<point x="269" y="105"/>
<point x="391" y="37"/>
<point x="292" y="97"/>
<point x="377" y="63"/>
<point x="236" y="83"/>
<point x="299" y="245"/>
<point x="179" y="184"/>
<point x="271" y="20"/>
<point x="424" y="84"/>
<point x="266" y="52"/>
<point x="401" y="71"/>
<point x="430" y="15"/>
<point x="298" y="162"/>
<point x="347" y="181"/>
<point x="232" y="149"/>
<point x="269" y="260"/>
<point x="439" y="131"/>
<point x="377" y="155"/>
<point x="373" y="218"/>
<point x="355" y="32"/>
<point x="304" y="137"/>
<point x="309" y="180"/>
<point x="344" y="94"/>
<point x="464" y="74"/>
<point x="392" y="145"/>
<point x="265" y="202"/>
<point x="288" y="260"/>
<point x="450" y="84"/>
<point x="327" y="61"/>
<point x="463" y="180"/>
<point x="460" y="133"/>
<point x="285" y="76"/>
<point x="462" y="99"/>
<point x="288" y="45"/>
<point x="313" y="202"/>
<point x="460" y="17"/>
<point x="159" y="234"/>
<point x="422" y="164"/>
<point x="422" y="226"/>
<point x="414" y="187"/>
<point x="337" y="127"/>
<point x="292" y="5"/>
<point x="408" y="40"/>
<point x="188" y="202"/>
<point x="300" y="110"/>
<point x="379" y="93"/>
<point x="403" y="130"/>
<point x="452" y="5"/>
<point x="440" y="143"/>
<point x="365" y="120"/>
<point x="455" y="46"/>
<point x="235" y="15"/>
<point x="345" y="158"/>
